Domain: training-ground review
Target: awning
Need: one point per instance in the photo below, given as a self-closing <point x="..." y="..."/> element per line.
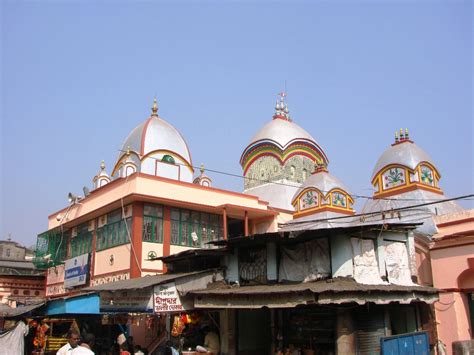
<point x="83" y="304"/>
<point x="333" y="291"/>
<point x="140" y="282"/>
<point x="6" y="311"/>
<point x="136" y="295"/>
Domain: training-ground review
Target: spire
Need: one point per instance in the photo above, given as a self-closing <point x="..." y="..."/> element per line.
<point x="281" y="108"/>
<point x="154" y="109"/>
<point x="402" y="136"/>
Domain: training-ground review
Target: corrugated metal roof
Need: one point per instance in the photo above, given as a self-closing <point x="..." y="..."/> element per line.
<point x="332" y="285"/>
<point x="17" y="264"/>
<point x="192" y="253"/>
<point x="141" y="282"/>
<point x="291" y="232"/>
<point x="6" y="311"/>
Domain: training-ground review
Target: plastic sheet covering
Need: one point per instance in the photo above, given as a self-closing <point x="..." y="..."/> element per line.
<point x="397" y="263"/>
<point x="12" y="342"/>
<point x="366" y="270"/>
<point x="305" y="262"/>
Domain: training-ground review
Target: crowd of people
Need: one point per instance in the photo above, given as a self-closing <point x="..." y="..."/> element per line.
<point x="84" y="345"/>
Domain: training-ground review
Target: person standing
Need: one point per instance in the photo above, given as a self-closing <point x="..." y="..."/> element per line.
<point x="86" y="346"/>
<point x="211" y="342"/>
<point x="73" y="337"/>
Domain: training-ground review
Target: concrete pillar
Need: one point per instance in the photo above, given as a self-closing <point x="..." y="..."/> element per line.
<point x="227" y="332"/>
<point x="345" y="335"/>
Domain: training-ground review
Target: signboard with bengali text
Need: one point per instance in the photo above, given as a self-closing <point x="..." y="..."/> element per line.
<point x="166" y="298"/>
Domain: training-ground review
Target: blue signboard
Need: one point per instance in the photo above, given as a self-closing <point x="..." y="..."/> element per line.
<point x="76" y="271"/>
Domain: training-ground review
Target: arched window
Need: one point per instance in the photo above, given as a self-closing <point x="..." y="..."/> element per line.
<point x="305" y="174"/>
<point x="129" y="170"/>
<point x="292" y="172"/>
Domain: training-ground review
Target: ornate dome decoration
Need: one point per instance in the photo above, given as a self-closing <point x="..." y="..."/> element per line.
<point x="404" y="167"/>
<point x="203" y="179"/>
<point x="155" y="147"/>
<point x="102" y="178"/>
<point x="281" y="150"/>
<point x="322" y="192"/>
<point x="405" y="176"/>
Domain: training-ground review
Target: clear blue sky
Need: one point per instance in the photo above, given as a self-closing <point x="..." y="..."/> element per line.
<point x="78" y="76"/>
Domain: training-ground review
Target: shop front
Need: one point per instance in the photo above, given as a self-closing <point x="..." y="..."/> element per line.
<point x="318" y="318"/>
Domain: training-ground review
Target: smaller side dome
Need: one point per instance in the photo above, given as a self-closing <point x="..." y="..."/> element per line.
<point x="203" y="179"/>
<point x="102" y="178"/>
<point x="322" y="192"/>
<point x="404" y="167"/>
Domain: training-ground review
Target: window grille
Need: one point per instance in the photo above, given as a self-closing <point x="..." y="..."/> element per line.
<point x="194" y="229"/>
<point x="82" y="242"/>
<point x="152" y="224"/>
<point x="253" y="265"/>
<point x="114" y="234"/>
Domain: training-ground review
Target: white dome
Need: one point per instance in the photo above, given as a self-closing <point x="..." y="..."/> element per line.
<point x="405" y="153"/>
<point x="282" y="132"/>
<point x="323" y="181"/>
<point x="156" y="134"/>
<point x="155" y="147"/>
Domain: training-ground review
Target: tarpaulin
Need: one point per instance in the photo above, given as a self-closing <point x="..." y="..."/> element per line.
<point x="305" y="262"/>
<point x="366" y="270"/>
<point x="396" y="261"/>
<point x="12" y="342"/>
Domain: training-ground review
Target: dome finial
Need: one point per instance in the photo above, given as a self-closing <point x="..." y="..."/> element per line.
<point x="154" y="109"/>
<point x="202" y="168"/>
<point x="396" y="136"/>
<point x="102" y="165"/>
<point x="406" y="133"/>
<point x="281" y="108"/>
<point x="128" y="151"/>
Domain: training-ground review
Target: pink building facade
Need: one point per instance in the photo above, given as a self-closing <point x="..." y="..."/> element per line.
<point x="452" y="263"/>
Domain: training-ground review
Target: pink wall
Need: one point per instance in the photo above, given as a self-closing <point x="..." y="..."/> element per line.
<point x="452" y="262"/>
<point x="449" y="263"/>
<point x="452" y="318"/>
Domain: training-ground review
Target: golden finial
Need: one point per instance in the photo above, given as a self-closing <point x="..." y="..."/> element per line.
<point x="154" y="109"/>
<point x="202" y="168"/>
<point x="128" y="150"/>
<point x="102" y="165"/>
<point x="406" y="133"/>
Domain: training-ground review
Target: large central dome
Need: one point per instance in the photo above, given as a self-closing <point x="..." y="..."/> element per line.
<point x="282" y="132"/>
<point x="279" y="157"/>
<point x="155" y="147"/>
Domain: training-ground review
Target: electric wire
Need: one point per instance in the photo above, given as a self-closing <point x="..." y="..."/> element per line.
<point x="375" y="213"/>
<point x="355" y="196"/>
